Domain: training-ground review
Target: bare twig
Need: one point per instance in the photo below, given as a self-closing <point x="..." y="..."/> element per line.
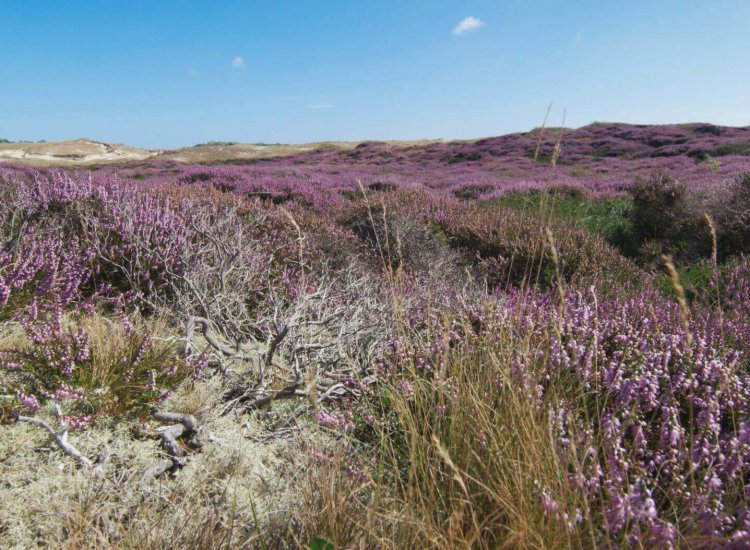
<point x="61" y="439"/>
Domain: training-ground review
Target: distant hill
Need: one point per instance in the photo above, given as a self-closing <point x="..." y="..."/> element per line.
<point x="599" y="140"/>
<point x="73" y="152"/>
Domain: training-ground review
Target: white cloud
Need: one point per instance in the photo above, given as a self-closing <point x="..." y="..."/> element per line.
<point x="238" y="62"/>
<point x="471" y="23"/>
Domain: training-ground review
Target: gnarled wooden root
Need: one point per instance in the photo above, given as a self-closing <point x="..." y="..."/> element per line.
<point x="187" y="428"/>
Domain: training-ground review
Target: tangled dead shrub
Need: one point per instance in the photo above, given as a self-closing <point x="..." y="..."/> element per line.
<point x="404" y="243"/>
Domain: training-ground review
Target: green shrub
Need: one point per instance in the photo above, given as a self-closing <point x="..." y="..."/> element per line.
<point x="733" y="219"/>
<point x="663" y="220"/>
<point x="464" y="157"/>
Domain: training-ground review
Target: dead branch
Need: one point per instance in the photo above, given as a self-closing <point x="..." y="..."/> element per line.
<point x="186" y="427"/>
<point x="60" y="439"/>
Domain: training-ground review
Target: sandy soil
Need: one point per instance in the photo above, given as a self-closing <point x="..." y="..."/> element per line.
<point x="82" y="152"/>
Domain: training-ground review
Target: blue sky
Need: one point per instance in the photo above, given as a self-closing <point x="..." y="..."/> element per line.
<point x="171" y="73"/>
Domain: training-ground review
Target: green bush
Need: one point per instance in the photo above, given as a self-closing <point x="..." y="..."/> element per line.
<point x="733" y="219"/>
<point x="664" y="221"/>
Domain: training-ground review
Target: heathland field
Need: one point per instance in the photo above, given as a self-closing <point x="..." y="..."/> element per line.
<point x="534" y="340"/>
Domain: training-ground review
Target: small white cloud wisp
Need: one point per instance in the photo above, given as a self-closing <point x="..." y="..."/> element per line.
<point x="471" y="23"/>
<point x="238" y="62"/>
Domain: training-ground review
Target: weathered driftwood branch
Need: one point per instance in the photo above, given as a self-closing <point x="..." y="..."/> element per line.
<point x="169" y="436"/>
<point x="258" y="400"/>
<point x="161" y="467"/>
<point x="187" y="426"/>
<point x="61" y="439"/>
<point x="211" y="337"/>
<point x="187" y="420"/>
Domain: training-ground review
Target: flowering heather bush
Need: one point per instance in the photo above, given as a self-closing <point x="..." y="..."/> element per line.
<point x="42" y="267"/>
<point x="138" y="239"/>
<point x="664" y="420"/>
<point x="62" y="236"/>
<point x="57" y="364"/>
<point x="648" y="422"/>
<point x="728" y="293"/>
<point x="131" y="239"/>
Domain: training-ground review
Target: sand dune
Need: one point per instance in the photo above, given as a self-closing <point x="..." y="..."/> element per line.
<point x="79" y="151"/>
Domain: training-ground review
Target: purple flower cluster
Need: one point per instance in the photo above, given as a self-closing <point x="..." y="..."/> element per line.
<point x="44" y="267"/>
<point x="48" y="366"/>
<point x="666" y="417"/>
<point x="339" y="421"/>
